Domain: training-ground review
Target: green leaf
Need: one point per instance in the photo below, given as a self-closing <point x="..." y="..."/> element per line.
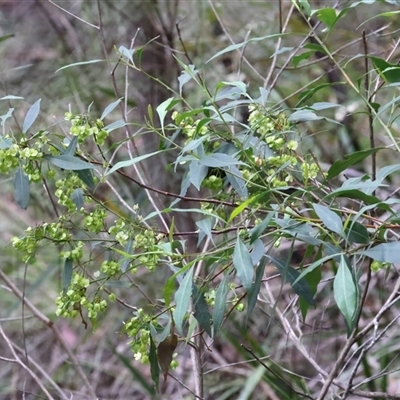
<point x="239" y="209"/>
<point x="79" y="63"/>
<point x="243" y="264"/>
<point x="345" y="293"/>
<point x="330" y="219"/>
<point x="163" y="109"/>
<point x="291" y="275"/>
<point x="384" y="252"/>
<point x="154" y="367"/>
<point x="327" y="16"/>
<point x="349" y="161"/>
<point x="126" y="260"/>
<point x="85" y="175"/>
<point x="77" y="198"/>
<point x="219" y="160"/>
<point x="128" y="163"/>
<point x="128" y="53"/>
<point x="115" y="125"/>
<point x="205" y="226"/>
<point x="390" y="73"/>
<point x="305" y="5"/>
<point x="258" y="230"/>
<point x="21" y="189"/>
<point x="189" y="73"/>
<point x="252" y="294"/>
<point x="182" y="300"/>
<point x="68" y="163"/>
<point x="240" y="45"/>
<point x="357" y="233"/>
<point x="220" y="305"/>
<point x="303" y="56"/>
<point x="201" y="312"/>
<point x="110" y="108"/>
<point x="70" y="150"/>
<point x="31" y="116"/>
<point x="67" y="274"/>
<point x="11" y="97"/>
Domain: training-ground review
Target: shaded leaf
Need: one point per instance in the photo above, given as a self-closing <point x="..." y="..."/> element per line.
<point x="201" y="312"/>
<point x="243" y="264"/>
<point x="255" y="288"/>
<point x="77" y="198"/>
<point x="124" y="263"/>
<point x="78" y="64"/>
<point x="69" y="163"/>
<point x="220" y="305"/>
<point x="71" y="148"/>
<point x="154" y="367"/>
<point x="31" y="115"/>
<point x="292" y="276"/>
<point x="219" y="160"/>
<point x="258" y="230"/>
<point x="115" y="125"/>
<point x="21" y="188"/>
<point x="357" y="233"/>
<point x="349" y="161"/>
<point x="85" y="175"/>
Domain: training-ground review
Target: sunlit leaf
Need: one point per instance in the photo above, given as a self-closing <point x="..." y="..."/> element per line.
<point x="330" y="219"/>
<point x="182" y="300"/>
<point x="129" y="163"/>
<point x="345" y="292"/>
<point x="243" y="264"/>
<point x="31" y="116"/>
<point x="78" y="64"/>
<point x="110" y="108"/>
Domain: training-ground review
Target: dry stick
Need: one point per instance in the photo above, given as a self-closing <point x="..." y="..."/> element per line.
<point x="73" y="15"/>
<point x="282" y="29"/>
<point x="56" y="332"/>
<point x="25" y="367"/>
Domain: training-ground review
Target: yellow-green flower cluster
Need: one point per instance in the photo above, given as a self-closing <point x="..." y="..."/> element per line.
<point x="110" y="268"/>
<point x="29" y="243"/>
<point x="65" y="188"/>
<point x="189" y="125"/>
<point x="74" y="254"/>
<point x="265" y="123"/>
<point x="69" y="304"/>
<point x="83" y="127"/>
<point x="137" y="328"/>
<point x="94" y="222"/>
<point x="120" y="231"/>
<point x="145" y="242"/>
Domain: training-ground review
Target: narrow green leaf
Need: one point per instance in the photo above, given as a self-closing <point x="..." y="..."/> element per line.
<point x="78" y="64"/>
<point x="292" y="276"/>
<point x="240" y="45"/>
<point x="77" y="198"/>
<point x="389" y="72"/>
<point x="163" y="109"/>
<point x="327" y="16"/>
<point x="243" y="264"/>
<point x="11" y="97"/>
<point x="189" y="73"/>
<point x="182" y="300"/>
<point x="128" y="53"/>
<point x="252" y="294"/>
<point x="115" y="125"/>
<point x="126" y="260"/>
<point x="67" y="274"/>
<point x="330" y="219"/>
<point x="220" y="305"/>
<point x="31" y="116"/>
<point x="201" y="312"/>
<point x="154" y="367"/>
<point x="259" y="229"/>
<point x="349" y="161"/>
<point x="85" y="175"/>
<point x="345" y="292"/>
<point x="128" y="163"/>
<point x="219" y="160"/>
<point x="68" y="163"/>
<point x="21" y="189"/>
<point x="70" y="150"/>
<point x="384" y="252"/>
<point x="357" y="233"/>
<point x="110" y="108"/>
<point x="241" y="207"/>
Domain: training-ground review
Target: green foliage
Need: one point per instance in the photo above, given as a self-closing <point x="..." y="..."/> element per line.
<point x="258" y="192"/>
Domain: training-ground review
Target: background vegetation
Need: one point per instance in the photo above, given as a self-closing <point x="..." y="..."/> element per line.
<point x="200" y="199"/>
